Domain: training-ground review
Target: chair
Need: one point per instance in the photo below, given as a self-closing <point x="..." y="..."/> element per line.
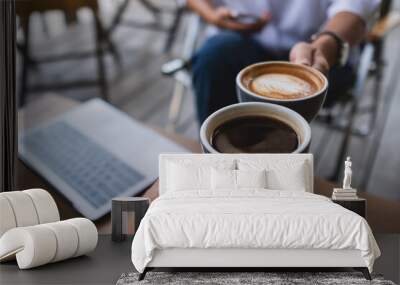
<point x="155" y="24"/>
<point x="103" y="43"/>
<point x="180" y="69"/>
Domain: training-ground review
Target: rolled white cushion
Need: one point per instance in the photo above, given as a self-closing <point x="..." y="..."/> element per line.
<point x="67" y="240"/>
<point x="7" y="218"/>
<point x="23" y="208"/>
<point x="45" y="205"/>
<point x="87" y="235"/>
<point x="40" y="244"/>
<point x="33" y="246"/>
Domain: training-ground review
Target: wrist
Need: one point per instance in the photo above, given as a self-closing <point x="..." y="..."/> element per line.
<point x="329" y="48"/>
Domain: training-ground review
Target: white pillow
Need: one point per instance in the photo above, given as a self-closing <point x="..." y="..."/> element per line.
<point x="181" y="178"/>
<point x="281" y="174"/>
<point x="237" y="179"/>
<point x="292" y="179"/>
<point x="251" y="178"/>
<point x="187" y="174"/>
<point x="223" y="179"/>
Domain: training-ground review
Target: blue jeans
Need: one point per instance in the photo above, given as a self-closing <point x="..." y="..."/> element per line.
<point x="216" y="64"/>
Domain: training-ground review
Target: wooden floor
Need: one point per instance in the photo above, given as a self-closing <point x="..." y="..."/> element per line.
<point x="139" y="89"/>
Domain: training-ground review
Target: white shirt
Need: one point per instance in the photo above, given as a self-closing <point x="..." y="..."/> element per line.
<point x="296" y="20"/>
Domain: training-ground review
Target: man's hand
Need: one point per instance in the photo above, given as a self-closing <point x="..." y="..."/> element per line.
<point x="322" y="53"/>
<point x="309" y="54"/>
<point x="224" y="18"/>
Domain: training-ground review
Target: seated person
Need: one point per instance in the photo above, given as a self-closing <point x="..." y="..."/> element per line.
<point x="282" y="31"/>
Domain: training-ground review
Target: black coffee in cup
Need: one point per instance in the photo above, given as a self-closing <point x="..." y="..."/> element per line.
<point x="254" y="134"/>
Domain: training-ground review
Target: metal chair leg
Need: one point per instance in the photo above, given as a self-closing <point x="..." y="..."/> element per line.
<point x="112" y="48"/>
<point x="150" y="7"/>
<point x="377" y="84"/>
<point x="118" y="16"/>
<point x="175" y="106"/>
<point x="173" y="29"/>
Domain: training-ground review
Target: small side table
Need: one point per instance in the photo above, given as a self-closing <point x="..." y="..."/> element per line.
<point x="358" y="206"/>
<point x="126" y="214"/>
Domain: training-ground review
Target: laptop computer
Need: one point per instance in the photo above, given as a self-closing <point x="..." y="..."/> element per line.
<point x="94" y="153"/>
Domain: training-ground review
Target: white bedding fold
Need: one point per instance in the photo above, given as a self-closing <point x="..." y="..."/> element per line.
<point x="250" y="219"/>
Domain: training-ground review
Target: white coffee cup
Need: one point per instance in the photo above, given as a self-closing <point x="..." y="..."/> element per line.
<point x="283" y="114"/>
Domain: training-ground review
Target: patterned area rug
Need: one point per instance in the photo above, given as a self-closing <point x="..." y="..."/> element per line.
<point x="243" y="278"/>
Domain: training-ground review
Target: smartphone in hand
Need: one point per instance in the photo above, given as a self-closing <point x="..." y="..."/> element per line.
<point x="246" y="18"/>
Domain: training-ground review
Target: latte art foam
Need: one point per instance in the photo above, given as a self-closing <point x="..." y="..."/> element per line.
<point x="282" y="86"/>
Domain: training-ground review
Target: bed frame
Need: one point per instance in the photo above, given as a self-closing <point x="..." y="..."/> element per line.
<point x="245" y="259"/>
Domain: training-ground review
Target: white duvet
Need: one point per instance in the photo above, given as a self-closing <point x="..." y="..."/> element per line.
<point x="250" y="219"/>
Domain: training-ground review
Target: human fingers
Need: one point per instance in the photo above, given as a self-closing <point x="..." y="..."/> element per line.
<point x="302" y="53"/>
<point x="320" y="62"/>
<point x="237" y="26"/>
<point x="220" y="15"/>
<point x="224" y="13"/>
<point x="264" y="19"/>
<point x="233" y="23"/>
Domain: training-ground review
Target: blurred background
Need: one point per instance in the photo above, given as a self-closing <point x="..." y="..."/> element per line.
<point x="72" y="51"/>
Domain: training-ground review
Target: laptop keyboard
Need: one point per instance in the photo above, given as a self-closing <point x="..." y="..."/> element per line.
<point x="95" y="173"/>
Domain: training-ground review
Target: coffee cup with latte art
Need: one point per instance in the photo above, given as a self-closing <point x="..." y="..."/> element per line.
<point x="298" y="87"/>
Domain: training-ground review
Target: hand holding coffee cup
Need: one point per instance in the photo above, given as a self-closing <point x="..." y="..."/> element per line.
<point x="298" y="87"/>
<point x="308" y="54"/>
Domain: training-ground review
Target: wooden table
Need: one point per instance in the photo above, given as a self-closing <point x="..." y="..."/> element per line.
<point x="383" y="215"/>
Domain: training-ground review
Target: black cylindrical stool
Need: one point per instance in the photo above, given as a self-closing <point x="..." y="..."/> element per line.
<point x="126" y="214"/>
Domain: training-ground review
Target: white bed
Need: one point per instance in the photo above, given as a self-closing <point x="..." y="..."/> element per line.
<point x="202" y="226"/>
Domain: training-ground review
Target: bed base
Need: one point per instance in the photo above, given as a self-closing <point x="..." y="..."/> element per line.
<point x="241" y="259"/>
<point x="363" y="270"/>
